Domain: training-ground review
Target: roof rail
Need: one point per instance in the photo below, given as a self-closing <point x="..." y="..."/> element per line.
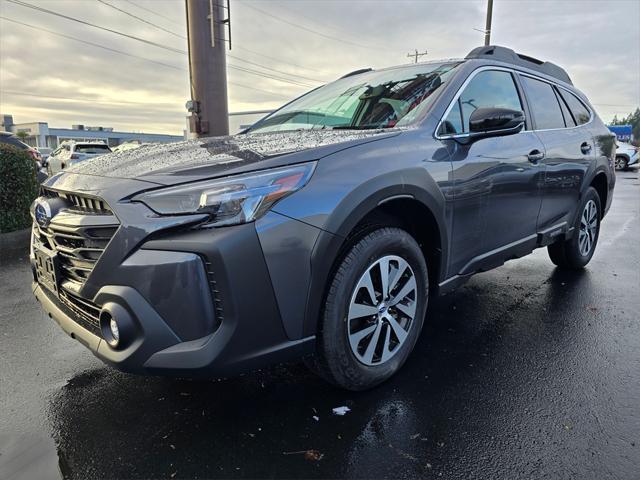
<point x="356" y="72"/>
<point x="504" y="54"/>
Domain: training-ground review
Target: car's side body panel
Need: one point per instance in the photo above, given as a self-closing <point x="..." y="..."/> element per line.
<point x="349" y="184"/>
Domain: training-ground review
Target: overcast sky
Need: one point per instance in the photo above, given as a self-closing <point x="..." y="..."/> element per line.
<point x="597" y="42"/>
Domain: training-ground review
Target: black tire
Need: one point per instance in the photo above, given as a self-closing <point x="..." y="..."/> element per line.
<point x="567" y="253"/>
<point x="334" y="360"/>
<point x="621" y="163"/>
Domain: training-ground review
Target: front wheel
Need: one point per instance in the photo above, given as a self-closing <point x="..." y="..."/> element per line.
<point x="374" y="310"/>
<point x="576" y="252"/>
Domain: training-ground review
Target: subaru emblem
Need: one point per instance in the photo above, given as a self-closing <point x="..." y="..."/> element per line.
<point x="42" y="212"/>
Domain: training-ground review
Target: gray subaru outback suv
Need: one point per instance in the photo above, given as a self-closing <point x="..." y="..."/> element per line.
<point x="322" y="231"/>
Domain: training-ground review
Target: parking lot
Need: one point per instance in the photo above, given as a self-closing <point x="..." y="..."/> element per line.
<point x="525" y="372"/>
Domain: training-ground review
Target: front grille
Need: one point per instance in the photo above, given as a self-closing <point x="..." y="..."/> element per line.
<point x="86" y="312"/>
<point x="78" y="232"/>
<point x="80" y="203"/>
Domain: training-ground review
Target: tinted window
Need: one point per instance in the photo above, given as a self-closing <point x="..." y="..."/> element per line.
<point x="97" y="148"/>
<point x="580" y="112"/>
<point x="544" y="104"/>
<point x="491" y="88"/>
<point x="568" y="118"/>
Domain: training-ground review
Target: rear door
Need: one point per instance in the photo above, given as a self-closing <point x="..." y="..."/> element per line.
<point x="495" y="184"/>
<point x="569" y="151"/>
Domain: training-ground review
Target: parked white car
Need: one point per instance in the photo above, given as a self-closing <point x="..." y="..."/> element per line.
<point x="626" y="155"/>
<point x="70" y="153"/>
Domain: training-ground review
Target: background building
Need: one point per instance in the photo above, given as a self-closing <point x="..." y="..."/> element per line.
<point x="40" y="134"/>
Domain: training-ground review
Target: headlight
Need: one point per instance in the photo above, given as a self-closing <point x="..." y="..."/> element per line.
<point x="231" y="200"/>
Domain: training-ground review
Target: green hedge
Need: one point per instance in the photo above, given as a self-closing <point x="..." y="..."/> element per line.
<point x="18" y="188"/>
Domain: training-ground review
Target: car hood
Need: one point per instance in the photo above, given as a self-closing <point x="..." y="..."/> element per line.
<point x="212" y="157"/>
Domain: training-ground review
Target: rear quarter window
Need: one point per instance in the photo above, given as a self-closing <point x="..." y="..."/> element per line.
<point x="580" y="112"/>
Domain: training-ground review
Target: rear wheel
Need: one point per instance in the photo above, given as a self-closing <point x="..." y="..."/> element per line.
<point x="374" y="310"/>
<point x="576" y="252"/>
<point x="621" y="163"/>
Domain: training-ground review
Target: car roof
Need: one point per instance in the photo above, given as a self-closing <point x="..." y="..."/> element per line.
<point x="493" y="53"/>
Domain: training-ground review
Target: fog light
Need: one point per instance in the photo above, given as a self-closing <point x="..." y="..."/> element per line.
<point x="115" y="333"/>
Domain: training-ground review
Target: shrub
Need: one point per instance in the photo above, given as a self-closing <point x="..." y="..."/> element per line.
<point x="18" y="188"/>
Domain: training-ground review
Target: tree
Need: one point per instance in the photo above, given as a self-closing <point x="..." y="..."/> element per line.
<point x="632" y="119"/>
<point x="22" y="135"/>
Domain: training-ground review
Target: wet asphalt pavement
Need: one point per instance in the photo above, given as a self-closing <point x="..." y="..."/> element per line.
<point x="525" y="372"/>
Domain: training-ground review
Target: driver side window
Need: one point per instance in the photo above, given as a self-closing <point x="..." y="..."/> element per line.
<point x="489" y="88"/>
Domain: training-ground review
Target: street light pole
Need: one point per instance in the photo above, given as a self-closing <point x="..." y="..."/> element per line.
<point x="207" y="68"/>
<point x="487" y="28"/>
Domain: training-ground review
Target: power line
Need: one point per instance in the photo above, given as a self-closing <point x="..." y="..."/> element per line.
<point x="270" y="76"/>
<point x="337" y="30"/>
<point x="253" y="72"/>
<point x="133" y="37"/>
<point x="154" y="12"/>
<point x="100" y="102"/>
<point x="273" y="69"/>
<point x="307" y="29"/>
<point x="91" y="43"/>
<point x="238" y="47"/>
<point x="142" y="19"/>
<point x="131" y="55"/>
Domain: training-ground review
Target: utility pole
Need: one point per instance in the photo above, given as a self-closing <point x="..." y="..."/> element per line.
<point x="487" y="28"/>
<point x="416" y="55"/>
<point x="206" y="21"/>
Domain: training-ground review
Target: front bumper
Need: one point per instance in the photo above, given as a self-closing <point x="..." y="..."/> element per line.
<point x="195" y="302"/>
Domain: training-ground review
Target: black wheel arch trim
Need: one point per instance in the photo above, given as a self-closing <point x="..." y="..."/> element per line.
<point x="415" y="184"/>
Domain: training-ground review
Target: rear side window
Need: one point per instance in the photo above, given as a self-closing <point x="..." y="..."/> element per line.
<point x="544" y="104"/>
<point x="490" y="88"/>
<point x="580" y="113"/>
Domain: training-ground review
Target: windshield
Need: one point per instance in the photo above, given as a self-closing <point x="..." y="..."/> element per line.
<point x="92" y="148"/>
<point x="377" y="99"/>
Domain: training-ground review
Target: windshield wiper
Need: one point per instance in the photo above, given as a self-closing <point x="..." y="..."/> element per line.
<point x="357" y="127"/>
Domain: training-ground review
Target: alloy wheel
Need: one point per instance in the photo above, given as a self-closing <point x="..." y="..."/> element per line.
<point x="382" y="310"/>
<point x="588" y="228"/>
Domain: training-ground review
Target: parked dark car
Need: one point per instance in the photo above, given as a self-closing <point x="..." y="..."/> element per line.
<point x="321" y="231"/>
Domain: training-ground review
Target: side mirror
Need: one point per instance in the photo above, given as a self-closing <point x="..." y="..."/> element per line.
<point x="493" y="122"/>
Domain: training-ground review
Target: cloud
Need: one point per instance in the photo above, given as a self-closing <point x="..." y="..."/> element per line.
<point x="597" y="42"/>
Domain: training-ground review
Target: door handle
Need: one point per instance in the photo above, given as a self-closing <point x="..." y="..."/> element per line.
<point x="535" y="156"/>
<point x="585" y="148"/>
